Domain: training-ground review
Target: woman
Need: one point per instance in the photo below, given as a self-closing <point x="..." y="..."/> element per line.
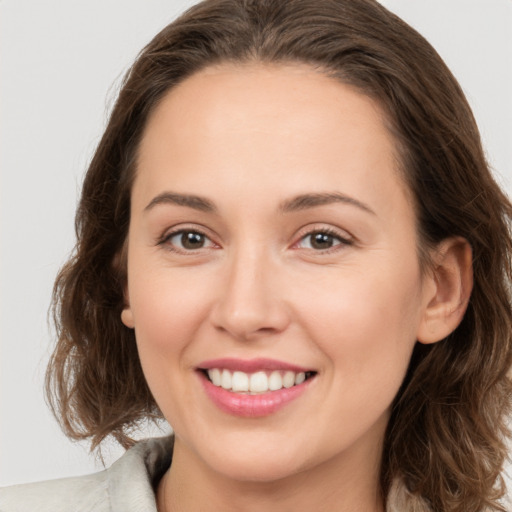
<point x="291" y="247"/>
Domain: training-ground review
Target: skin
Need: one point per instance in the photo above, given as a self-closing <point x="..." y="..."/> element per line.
<point x="248" y="139"/>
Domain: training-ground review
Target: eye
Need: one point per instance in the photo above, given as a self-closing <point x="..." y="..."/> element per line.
<point x="322" y="240"/>
<point x="187" y="240"/>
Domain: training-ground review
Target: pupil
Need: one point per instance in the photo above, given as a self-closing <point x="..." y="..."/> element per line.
<point x="192" y="240"/>
<point x="322" y="241"/>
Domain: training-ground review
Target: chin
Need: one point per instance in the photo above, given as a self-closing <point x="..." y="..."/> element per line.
<point x="256" y="460"/>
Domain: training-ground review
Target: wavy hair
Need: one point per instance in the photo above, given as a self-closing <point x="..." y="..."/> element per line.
<point x="445" y="442"/>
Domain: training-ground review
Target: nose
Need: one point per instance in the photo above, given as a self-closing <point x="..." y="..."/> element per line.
<point x="250" y="302"/>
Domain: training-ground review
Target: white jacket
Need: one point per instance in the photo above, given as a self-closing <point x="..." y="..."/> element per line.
<point x="127" y="486"/>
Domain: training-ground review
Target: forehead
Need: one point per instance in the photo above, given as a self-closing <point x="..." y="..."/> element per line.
<point x="267" y="122"/>
<point x="256" y="96"/>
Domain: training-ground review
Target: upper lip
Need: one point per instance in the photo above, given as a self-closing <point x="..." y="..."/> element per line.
<point x="250" y="365"/>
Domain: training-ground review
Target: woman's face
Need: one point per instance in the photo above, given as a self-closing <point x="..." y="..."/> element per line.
<point x="272" y="240"/>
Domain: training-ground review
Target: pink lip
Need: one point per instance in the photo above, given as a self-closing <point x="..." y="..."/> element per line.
<point x="251" y="406"/>
<point x="251" y="365"/>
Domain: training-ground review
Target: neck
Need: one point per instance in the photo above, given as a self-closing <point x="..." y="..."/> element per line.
<point x="341" y="484"/>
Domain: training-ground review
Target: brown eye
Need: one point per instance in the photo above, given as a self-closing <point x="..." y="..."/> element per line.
<point x="188" y="241"/>
<point x="191" y="240"/>
<point x="322" y="240"/>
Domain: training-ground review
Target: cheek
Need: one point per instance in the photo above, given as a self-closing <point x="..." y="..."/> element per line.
<point x="367" y="328"/>
<point x="167" y="311"/>
<point x="166" y="305"/>
<point x="167" y="317"/>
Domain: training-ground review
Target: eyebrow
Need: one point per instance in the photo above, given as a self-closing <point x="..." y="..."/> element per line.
<point x="297" y="203"/>
<point x="191" y="201"/>
<point x="305" y="201"/>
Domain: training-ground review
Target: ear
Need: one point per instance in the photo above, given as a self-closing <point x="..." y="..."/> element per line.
<point x="127" y="313"/>
<point x="447" y="290"/>
<point x="127" y="317"/>
<point x="120" y="264"/>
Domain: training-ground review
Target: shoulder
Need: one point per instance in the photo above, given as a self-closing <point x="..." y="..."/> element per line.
<point x="83" y="493"/>
<point x="127" y="486"/>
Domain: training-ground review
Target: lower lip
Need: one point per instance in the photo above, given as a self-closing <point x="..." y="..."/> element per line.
<point x="252" y="406"/>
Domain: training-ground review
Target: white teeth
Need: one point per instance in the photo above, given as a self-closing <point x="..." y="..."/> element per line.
<point x="300" y="378"/>
<point x="275" y="381"/>
<point x="289" y="379"/>
<point x="215" y="376"/>
<point x="240" y="381"/>
<point x="225" y="381"/>
<point x="258" y="382"/>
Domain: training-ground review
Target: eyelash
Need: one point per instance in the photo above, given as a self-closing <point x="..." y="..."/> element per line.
<point x="165" y="240"/>
<point x="343" y="241"/>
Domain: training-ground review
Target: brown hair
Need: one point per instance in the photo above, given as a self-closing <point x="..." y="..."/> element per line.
<point x="445" y="443"/>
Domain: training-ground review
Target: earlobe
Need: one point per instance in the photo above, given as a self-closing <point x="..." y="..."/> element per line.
<point x="127" y="317"/>
<point x="120" y="263"/>
<point x="448" y="289"/>
<point x="127" y="313"/>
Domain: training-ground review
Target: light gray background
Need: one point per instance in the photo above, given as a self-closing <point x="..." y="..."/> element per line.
<point x="60" y="63"/>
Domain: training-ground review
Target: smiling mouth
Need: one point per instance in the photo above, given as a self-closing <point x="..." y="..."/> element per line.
<point x="257" y="382"/>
